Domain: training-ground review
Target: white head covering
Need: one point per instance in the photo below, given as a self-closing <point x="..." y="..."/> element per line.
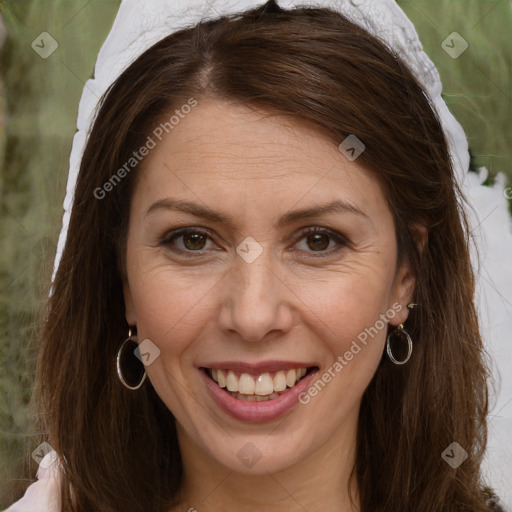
<point x="139" y="24"/>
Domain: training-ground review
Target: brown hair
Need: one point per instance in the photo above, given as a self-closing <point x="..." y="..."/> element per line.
<point x="120" y="448"/>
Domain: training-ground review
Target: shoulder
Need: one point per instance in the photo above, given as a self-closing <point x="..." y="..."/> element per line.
<point x="44" y="494"/>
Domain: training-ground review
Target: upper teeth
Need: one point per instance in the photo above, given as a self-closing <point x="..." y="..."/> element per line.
<point x="264" y="384"/>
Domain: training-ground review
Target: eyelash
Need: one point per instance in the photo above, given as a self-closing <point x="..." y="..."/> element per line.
<point x="339" y="239"/>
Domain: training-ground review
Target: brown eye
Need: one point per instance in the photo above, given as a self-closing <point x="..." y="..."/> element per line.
<point x="318" y="241"/>
<point x="194" y="241"/>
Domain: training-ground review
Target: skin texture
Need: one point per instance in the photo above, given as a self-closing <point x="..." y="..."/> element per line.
<point x="288" y="304"/>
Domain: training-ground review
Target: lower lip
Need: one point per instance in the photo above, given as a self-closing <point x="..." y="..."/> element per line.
<point x="257" y="412"/>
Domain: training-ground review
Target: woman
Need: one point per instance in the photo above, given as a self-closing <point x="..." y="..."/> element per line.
<point x="265" y="299"/>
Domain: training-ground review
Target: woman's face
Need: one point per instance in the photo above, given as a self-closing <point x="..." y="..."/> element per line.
<point x="252" y="292"/>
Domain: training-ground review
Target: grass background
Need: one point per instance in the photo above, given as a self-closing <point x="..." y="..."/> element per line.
<point x="38" y="107"/>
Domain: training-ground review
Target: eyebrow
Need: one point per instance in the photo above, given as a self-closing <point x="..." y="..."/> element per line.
<point x="337" y="206"/>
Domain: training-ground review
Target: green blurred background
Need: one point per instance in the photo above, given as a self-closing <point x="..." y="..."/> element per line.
<point x="38" y="108"/>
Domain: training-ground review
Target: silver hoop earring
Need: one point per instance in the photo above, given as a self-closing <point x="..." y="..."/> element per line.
<point x="130" y="369"/>
<point x="399" y="331"/>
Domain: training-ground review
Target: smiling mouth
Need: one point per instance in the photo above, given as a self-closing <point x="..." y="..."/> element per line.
<point x="263" y="387"/>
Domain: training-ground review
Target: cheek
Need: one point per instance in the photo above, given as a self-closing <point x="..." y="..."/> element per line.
<point x="349" y="313"/>
<point x="344" y="303"/>
<point x="356" y="327"/>
<point x="352" y="326"/>
<point x="166" y="309"/>
<point x="169" y="302"/>
<point x="169" y="314"/>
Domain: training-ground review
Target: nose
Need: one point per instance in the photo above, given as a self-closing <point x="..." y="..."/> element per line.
<point x="257" y="302"/>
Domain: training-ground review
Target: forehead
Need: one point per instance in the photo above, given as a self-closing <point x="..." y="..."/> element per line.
<point x="225" y="153"/>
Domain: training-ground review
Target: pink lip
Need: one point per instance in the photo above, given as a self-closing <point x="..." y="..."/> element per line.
<point x="256" y="412"/>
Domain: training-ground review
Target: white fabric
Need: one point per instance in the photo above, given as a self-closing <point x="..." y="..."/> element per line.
<point x="141" y="23"/>
<point x="44" y="494"/>
<point x="492" y="227"/>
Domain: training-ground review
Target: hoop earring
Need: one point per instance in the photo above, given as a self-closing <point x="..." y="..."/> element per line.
<point x="130" y="369"/>
<point x="400" y="331"/>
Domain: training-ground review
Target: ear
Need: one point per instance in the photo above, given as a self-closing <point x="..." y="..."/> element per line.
<point x="402" y="293"/>
<point x="405" y="281"/>
<point x="130" y="314"/>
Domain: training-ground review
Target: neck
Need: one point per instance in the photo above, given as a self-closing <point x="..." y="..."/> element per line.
<point x="317" y="482"/>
